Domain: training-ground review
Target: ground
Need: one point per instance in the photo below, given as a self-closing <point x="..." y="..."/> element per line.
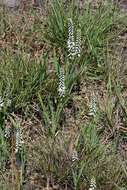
<point x="67" y="141"/>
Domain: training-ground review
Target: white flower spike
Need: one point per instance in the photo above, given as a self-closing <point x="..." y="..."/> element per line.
<point x="93" y="184"/>
<point x="93" y="106"/>
<point x="19" y="140"/>
<point x="70" y="42"/>
<point x="78" y="43"/>
<point x="61" y="88"/>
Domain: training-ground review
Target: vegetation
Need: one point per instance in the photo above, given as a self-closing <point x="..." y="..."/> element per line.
<point x="63" y="111"/>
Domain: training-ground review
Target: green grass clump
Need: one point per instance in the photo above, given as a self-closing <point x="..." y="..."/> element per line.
<point x="67" y="145"/>
<point x="54" y="158"/>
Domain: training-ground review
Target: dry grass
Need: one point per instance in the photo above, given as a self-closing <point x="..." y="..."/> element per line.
<point x="33" y="48"/>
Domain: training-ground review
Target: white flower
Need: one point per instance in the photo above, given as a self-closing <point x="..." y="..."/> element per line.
<point x="93" y="106"/>
<point x="9" y="101"/>
<point x="19" y="140"/>
<point x="7" y="132"/>
<point x="61" y="88"/>
<point x="74" y="155"/>
<point x="70" y="42"/>
<point x="93" y="184"/>
<point x="74" y="47"/>
<point x="78" y="43"/>
<point x="1" y="103"/>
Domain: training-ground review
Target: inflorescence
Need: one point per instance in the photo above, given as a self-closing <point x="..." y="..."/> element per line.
<point x="93" y="106"/>
<point x="19" y="140"/>
<point x="74" y="47"/>
<point x="92" y="184"/>
<point x="61" y="88"/>
<point x="74" y="155"/>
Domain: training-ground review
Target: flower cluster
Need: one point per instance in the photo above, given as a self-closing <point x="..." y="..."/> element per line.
<point x="61" y="88"/>
<point x="74" y="47"/>
<point x="1" y="103"/>
<point x="92" y="184"/>
<point x="93" y="106"/>
<point x="7" y="131"/>
<point x="78" y="43"/>
<point x="19" y="140"/>
<point x="8" y="103"/>
<point x="70" y="42"/>
<point x="74" y="155"/>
